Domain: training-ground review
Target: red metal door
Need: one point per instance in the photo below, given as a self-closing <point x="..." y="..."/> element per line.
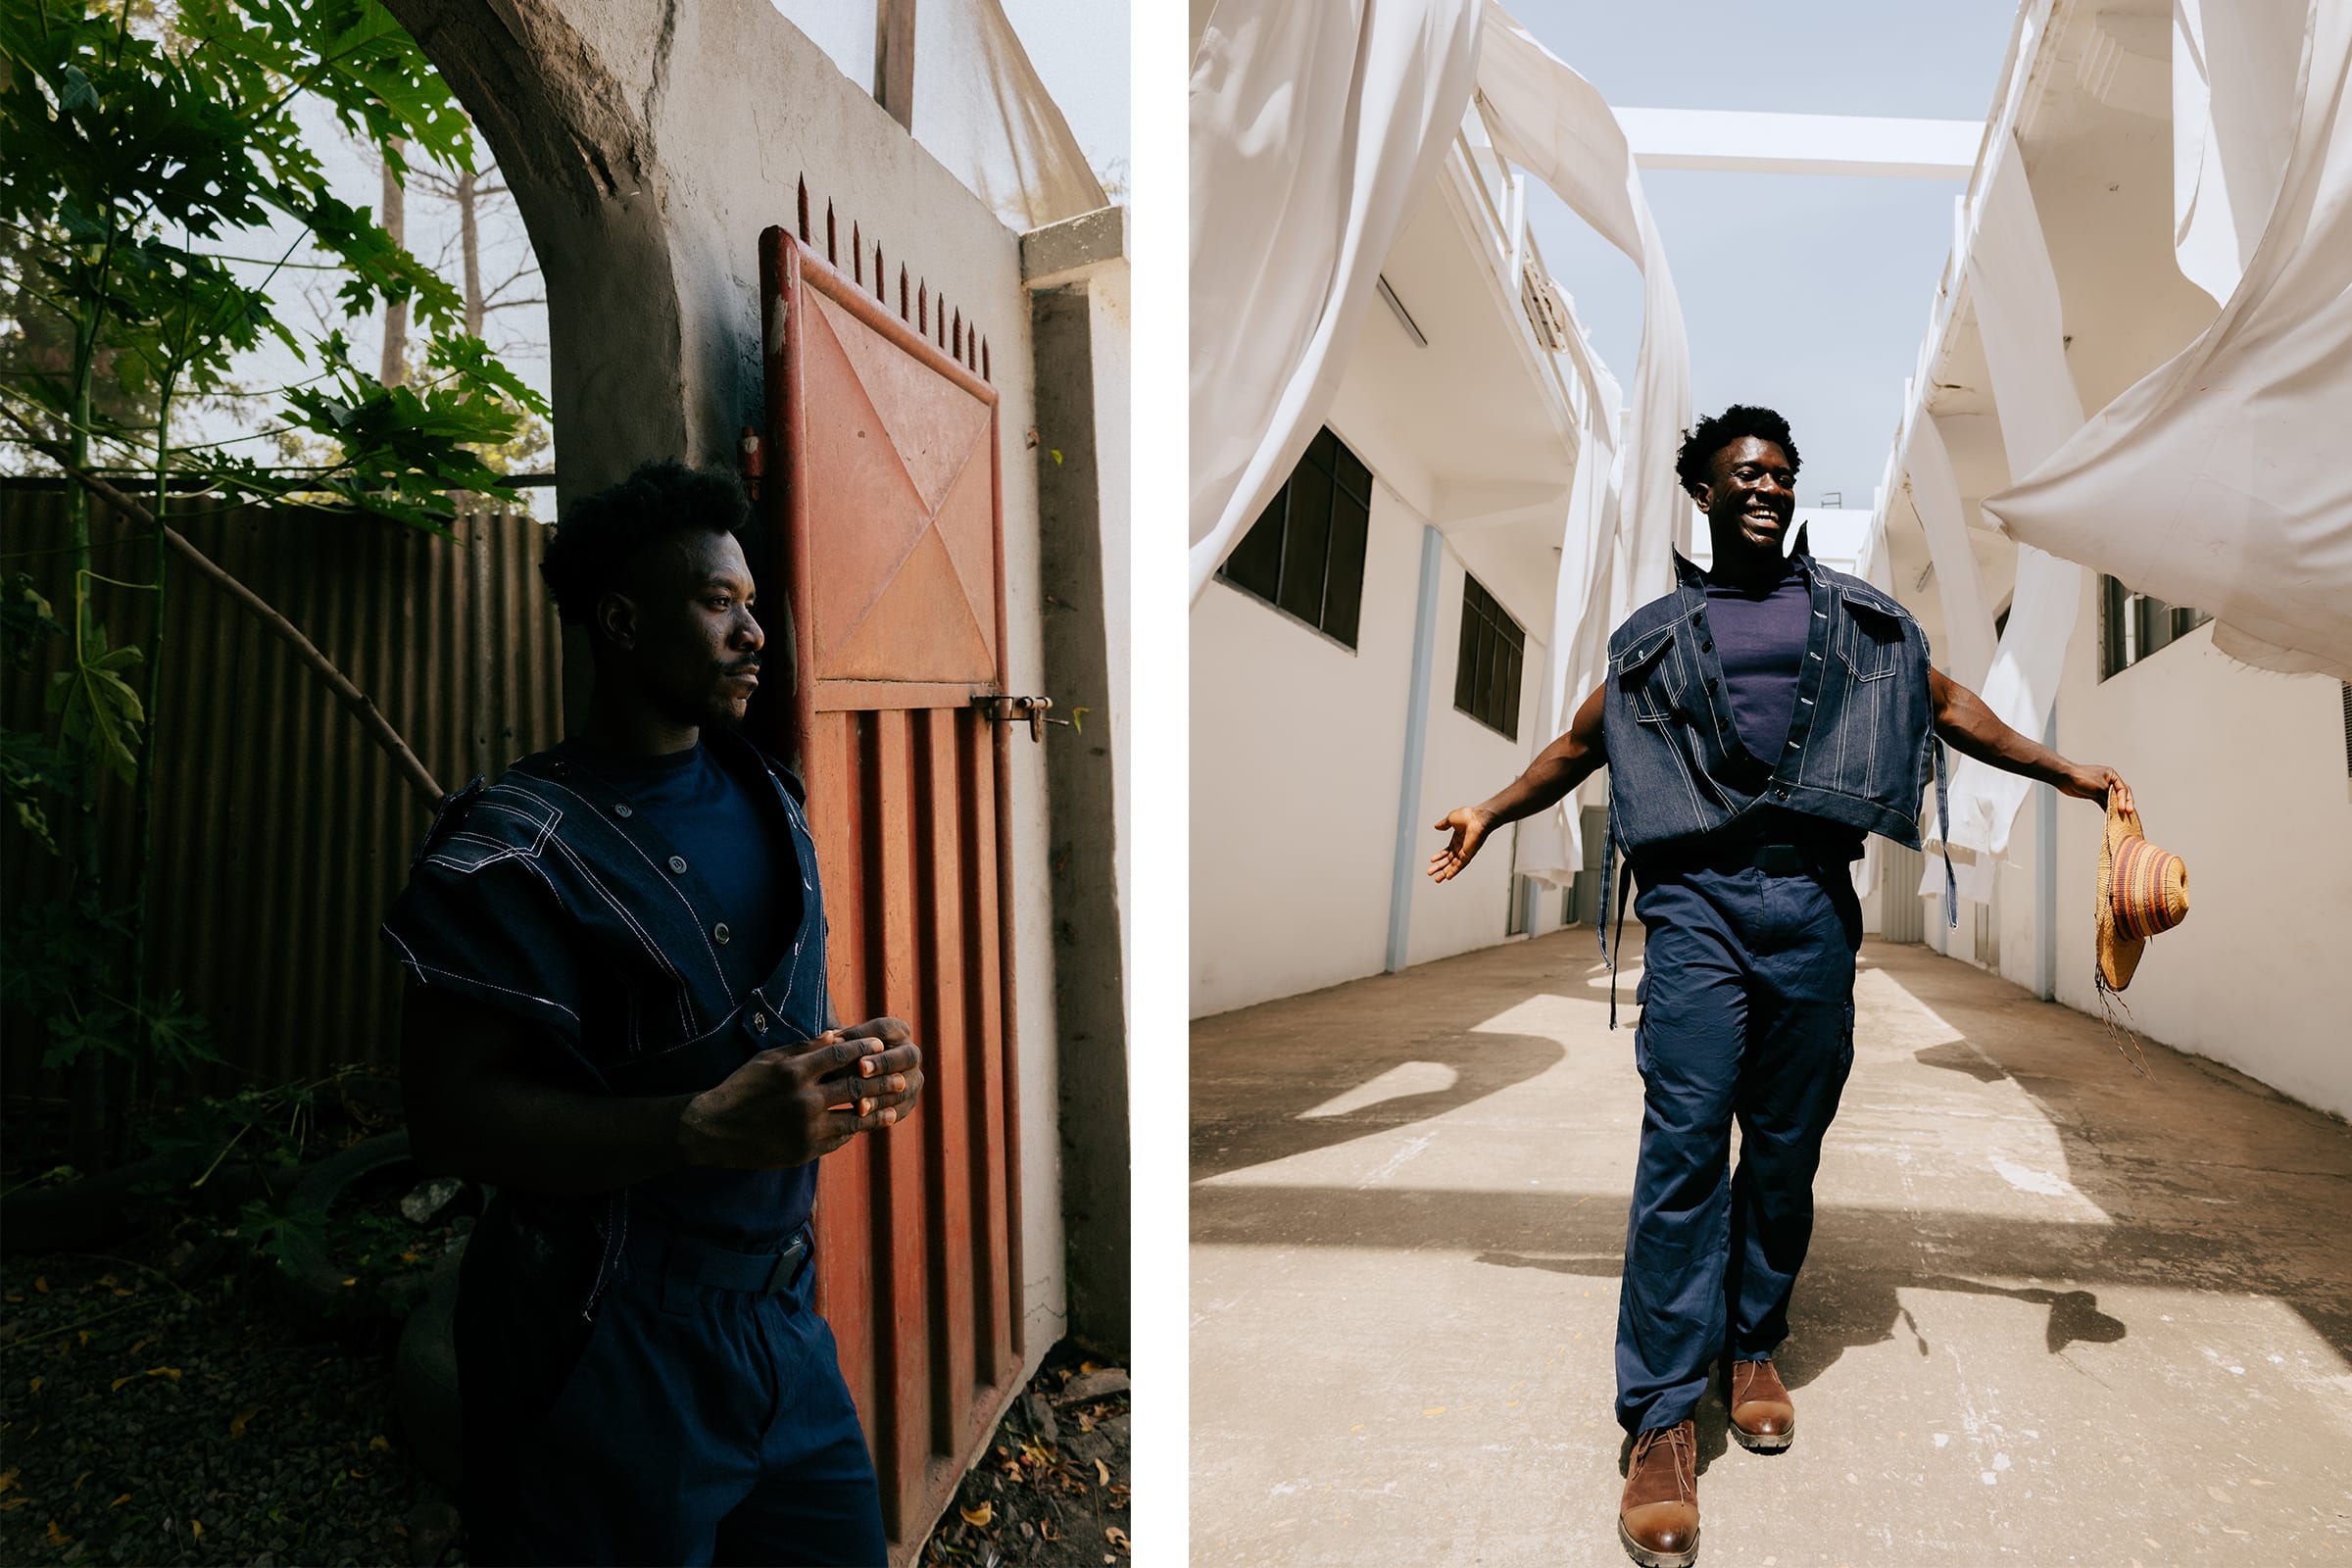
<point x="889" y="536"/>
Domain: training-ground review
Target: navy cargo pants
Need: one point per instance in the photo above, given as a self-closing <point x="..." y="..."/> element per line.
<point x="701" y="1419"/>
<point x="1747" y="1016"/>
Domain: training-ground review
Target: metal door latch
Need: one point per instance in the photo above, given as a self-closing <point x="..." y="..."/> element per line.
<point x="1012" y="709"/>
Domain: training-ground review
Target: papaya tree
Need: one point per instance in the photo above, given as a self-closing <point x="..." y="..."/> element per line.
<point x="146" y="143"/>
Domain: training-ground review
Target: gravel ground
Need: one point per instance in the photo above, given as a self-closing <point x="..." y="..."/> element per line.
<point x="148" y="1419"/>
<point x="144" y="1421"/>
<point x="1052" y="1491"/>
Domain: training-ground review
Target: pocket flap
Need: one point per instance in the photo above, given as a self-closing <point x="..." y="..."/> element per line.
<point x="1644" y="652"/>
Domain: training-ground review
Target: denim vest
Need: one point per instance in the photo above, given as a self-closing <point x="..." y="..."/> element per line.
<point x="550" y="897"/>
<point x="1861" y="744"/>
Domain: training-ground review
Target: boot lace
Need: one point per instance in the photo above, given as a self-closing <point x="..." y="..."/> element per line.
<point x="1683" y="1445"/>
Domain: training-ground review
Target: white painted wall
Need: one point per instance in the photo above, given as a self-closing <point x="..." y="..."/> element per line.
<point x="1112" y="304"/>
<point x="2242" y="773"/>
<point x="1297" y="751"/>
<point x="1464" y="763"/>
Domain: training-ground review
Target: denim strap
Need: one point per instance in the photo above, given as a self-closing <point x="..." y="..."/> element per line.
<point x="1943" y="832"/>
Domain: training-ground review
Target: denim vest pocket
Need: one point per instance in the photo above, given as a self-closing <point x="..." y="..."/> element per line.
<point x="1870" y="640"/>
<point x="1650" y="678"/>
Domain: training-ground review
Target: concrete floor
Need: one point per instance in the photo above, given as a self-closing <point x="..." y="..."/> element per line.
<point x="2054" y="1312"/>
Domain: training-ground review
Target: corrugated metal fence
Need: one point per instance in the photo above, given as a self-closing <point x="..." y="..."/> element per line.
<point x="282" y="832"/>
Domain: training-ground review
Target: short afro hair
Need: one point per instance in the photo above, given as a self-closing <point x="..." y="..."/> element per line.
<point x="600" y="543"/>
<point x="1717" y="432"/>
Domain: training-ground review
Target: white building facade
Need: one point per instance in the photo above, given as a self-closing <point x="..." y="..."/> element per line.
<point x="2243" y="772"/>
<point x="1333" y="721"/>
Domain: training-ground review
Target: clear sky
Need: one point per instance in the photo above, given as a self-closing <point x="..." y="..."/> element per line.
<point x="1079" y="48"/>
<point x="1809" y="293"/>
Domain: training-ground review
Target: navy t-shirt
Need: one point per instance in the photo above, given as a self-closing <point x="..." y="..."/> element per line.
<point x="1760" y="634"/>
<point x="735" y="836"/>
<point x="1760" y="638"/>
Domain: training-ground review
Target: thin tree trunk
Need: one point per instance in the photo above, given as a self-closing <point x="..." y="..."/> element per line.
<point x="469" y="240"/>
<point x="143" y="833"/>
<point x="87" y="1139"/>
<point x="395" y="368"/>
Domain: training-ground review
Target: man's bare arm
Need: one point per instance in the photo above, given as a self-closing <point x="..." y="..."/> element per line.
<point x="1557" y="769"/>
<point x="1974" y="730"/>
<point x="480" y="1105"/>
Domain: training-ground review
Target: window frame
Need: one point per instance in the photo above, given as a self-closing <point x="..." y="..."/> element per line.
<point x="1271" y="562"/>
<point x="2135" y="627"/>
<point x="1490" y="663"/>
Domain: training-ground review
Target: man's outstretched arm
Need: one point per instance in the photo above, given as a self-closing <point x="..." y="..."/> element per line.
<point x="1974" y="730"/>
<point x="1559" y="768"/>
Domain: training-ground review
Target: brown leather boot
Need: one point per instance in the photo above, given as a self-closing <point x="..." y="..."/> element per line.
<point x="1657" y="1518"/>
<point x="1763" y="1416"/>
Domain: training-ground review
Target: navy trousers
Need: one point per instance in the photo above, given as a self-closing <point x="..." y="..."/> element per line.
<point x="691" y="1424"/>
<point x="1747" y="1016"/>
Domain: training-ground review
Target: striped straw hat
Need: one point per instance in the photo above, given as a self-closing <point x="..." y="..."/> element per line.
<point x="2143" y="891"/>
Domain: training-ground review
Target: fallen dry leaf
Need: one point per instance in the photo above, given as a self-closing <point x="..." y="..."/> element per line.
<point x="1046" y="1529"/>
<point x="1118" y="1537"/>
<point x="136" y="1346"/>
<point x="109" y="1281"/>
<point x="56" y="1536"/>
<point x="81" y="1336"/>
<point x="381" y="1445"/>
<point x="11" y="1298"/>
<point x="982" y="1516"/>
<point x="1101" y="1473"/>
<point x="238" y="1423"/>
<point x="197" y="1525"/>
<point x="118" y="1382"/>
<point x="171" y="1372"/>
<point x="14" y="1502"/>
<point x="42" y="1285"/>
<point x="78" y="1480"/>
<point x="127" y="1292"/>
<point x="119" y="1501"/>
<point x="7" y="1478"/>
<point x="358" y="1474"/>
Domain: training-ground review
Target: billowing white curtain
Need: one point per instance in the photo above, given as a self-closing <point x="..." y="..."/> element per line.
<point x="1551" y="844"/>
<point x="979" y="106"/>
<point x="1315" y="131"/>
<point x="2219" y="480"/>
<point x="2235" y="104"/>
<point x="1959" y="580"/>
<point x="2014" y="294"/>
<point x="1556" y="125"/>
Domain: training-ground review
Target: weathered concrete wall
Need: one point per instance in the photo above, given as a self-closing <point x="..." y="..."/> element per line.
<point x="648" y="147"/>
<point x="1078" y="316"/>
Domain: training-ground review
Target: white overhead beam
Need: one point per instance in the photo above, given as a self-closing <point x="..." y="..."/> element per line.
<point x="1741" y="142"/>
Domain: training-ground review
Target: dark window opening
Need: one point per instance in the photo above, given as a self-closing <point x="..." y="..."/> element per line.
<point x="1305" y="553"/>
<point x="1486" y="671"/>
<point x="2132" y="627"/>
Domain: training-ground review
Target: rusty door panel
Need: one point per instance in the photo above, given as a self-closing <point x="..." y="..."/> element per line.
<point x="889" y="532"/>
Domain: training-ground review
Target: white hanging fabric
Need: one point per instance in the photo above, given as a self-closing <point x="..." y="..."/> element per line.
<point x="1556" y="125"/>
<point x="1315" y="131"/>
<point x="979" y="106"/>
<point x="2234" y="103"/>
<point x="2019" y="323"/>
<point x="1551" y="843"/>
<point x="2216" y="480"/>
<point x="1959" y="580"/>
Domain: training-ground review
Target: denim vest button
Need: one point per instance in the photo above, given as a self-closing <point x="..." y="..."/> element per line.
<point x="758" y="1023"/>
<point x="677" y="863"/>
<point x="720" y="933"/>
<point x="623" y="810"/>
<point x="1711" y="683"/>
<point x="1707" y="647"/>
<point x="1780" y="790"/>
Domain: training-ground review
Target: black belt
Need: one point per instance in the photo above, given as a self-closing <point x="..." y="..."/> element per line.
<point x="701" y="1261"/>
<point x="1776" y="859"/>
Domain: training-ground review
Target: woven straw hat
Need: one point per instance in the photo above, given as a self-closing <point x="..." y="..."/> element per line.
<point x="2143" y="891"/>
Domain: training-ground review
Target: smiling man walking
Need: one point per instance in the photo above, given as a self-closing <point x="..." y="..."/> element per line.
<point x="1757" y="722"/>
<point x="617" y="1014"/>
